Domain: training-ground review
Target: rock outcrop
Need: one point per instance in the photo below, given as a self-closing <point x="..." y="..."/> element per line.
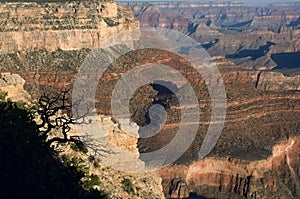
<point x="118" y="141"/>
<point x="276" y="81"/>
<point x="60" y="25"/>
<point x="237" y="31"/>
<point x="275" y="177"/>
<point x="113" y="146"/>
<point x="13" y="85"/>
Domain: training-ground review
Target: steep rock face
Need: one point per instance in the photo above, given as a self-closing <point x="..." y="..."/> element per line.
<point x="13" y="85"/>
<point x="46" y="42"/>
<point x="118" y="146"/>
<point x="275" y="177"/>
<point x="248" y="35"/>
<point x="277" y="81"/>
<point x="256" y="48"/>
<point x="263" y="80"/>
<point x="117" y="140"/>
<point x="66" y="26"/>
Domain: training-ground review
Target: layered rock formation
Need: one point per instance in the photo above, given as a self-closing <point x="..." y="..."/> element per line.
<point x="277" y="81"/>
<point x="233" y="30"/>
<point x="117" y="141"/>
<point x="255" y="101"/>
<point x="263" y="107"/>
<point x="39" y="39"/>
<point x="66" y="26"/>
<point x="275" y="177"/>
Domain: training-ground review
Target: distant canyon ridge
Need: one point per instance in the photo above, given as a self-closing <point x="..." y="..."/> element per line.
<point x="257" y="36"/>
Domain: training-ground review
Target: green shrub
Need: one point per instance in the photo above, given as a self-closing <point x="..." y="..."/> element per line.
<point x="110" y="22"/>
<point x="127" y="185"/>
<point x="91" y="181"/>
<point x="78" y="147"/>
<point x="3" y="95"/>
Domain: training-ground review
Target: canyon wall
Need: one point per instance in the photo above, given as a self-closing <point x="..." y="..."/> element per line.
<point x="251" y="36"/>
<point x="65" y="26"/>
<point x="35" y="40"/>
<point x="276" y="81"/>
<point x="275" y="177"/>
<point x="45" y="43"/>
<point x="116" y="159"/>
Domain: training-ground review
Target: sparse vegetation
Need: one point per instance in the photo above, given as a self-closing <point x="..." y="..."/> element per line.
<point x="3" y="95"/>
<point x="55" y="113"/>
<point x="78" y="147"/>
<point x="30" y="168"/>
<point x="91" y="181"/>
<point x="111" y="22"/>
<point x="127" y="185"/>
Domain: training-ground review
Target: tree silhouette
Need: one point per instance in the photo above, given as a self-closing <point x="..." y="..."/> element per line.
<point x="55" y="113"/>
<point x="29" y="168"/>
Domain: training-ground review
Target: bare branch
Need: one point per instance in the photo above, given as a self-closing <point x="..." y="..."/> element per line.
<point x="55" y="113"/>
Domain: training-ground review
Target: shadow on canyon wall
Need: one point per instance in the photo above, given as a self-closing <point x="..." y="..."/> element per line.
<point x="253" y="54"/>
<point x="195" y="196"/>
<point x="28" y="167"/>
<point x="287" y="63"/>
<point x="287" y="60"/>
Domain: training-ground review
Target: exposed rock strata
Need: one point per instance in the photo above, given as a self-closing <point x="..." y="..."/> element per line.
<point x="257" y="103"/>
<point x="234" y="30"/>
<point x="261" y="110"/>
<point x="66" y="26"/>
<point x="275" y="177"/>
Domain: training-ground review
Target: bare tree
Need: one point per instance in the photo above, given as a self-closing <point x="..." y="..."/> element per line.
<point x="55" y="114"/>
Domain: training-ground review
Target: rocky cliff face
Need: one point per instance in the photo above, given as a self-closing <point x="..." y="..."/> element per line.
<point x="35" y="41"/>
<point x="277" y="81"/>
<point x="116" y="149"/>
<point x="66" y="26"/>
<point x="275" y="177"/>
<point x="251" y="36"/>
<point x="13" y="85"/>
<point x="263" y="107"/>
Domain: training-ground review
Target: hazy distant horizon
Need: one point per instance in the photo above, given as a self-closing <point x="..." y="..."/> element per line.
<point x="241" y="1"/>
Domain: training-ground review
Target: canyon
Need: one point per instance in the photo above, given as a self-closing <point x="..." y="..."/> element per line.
<point x="42" y="46"/>
<point x="248" y="35"/>
<point x="66" y="26"/>
<point x="274" y="177"/>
